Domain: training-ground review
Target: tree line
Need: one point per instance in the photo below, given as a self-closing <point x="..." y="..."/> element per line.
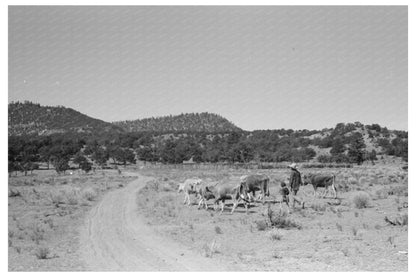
<point x="86" y="150"/>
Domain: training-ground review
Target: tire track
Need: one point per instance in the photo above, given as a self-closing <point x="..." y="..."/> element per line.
<point x="116" y="238"/>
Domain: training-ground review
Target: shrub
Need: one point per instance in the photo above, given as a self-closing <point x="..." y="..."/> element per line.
<point x="280" y="220"/>
<point x="261" y="225"/>
<point x="361" y="200"/>
<point x="381" y="194"/>
<point x="42" y="253"/>
<point x="72" y="197"/>
<point x="14" y="193"/>
<point x="400" y="220"/>
<point x="89" y="194"/>
<point x="218" y="230"/>
<point x="37" y="233"/>
<point x="318" y="207"/>
<point x="352" y="181"/>
<point x="211" y="249"/>
<point x="57" y="198"/>
<point x="274" y="234"/>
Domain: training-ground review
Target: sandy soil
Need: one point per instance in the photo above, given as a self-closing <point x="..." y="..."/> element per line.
<point x="116" y="238"/>
<point x="334" y="234"/>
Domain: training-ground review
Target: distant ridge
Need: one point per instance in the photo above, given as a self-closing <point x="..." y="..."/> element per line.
<point x="188" y="122"/>
<point x="29" y="118"/>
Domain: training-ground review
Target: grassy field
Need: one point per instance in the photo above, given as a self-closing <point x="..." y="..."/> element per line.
<point x="45" y="212"/>
<point x="364" y="230"/>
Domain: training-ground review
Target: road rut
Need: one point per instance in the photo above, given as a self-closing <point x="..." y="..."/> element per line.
<point x="116" y="238"/>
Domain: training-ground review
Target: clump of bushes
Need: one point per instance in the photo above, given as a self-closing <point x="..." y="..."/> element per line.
<point x="57" y="198"/>
<point x="89" y="194"/>
<point x="274" y="234"/>
<point x="361" y="200"/>
<point x="14" y="193"/>
<point x="317" y="207"/>
<point x="400" y="220"/>
<point x="261" y="225"/>
<point x="42" y="253"/>
<point x="153" y="185"/>
<point x="72" y="197"/>
<point x="280" y="220"/>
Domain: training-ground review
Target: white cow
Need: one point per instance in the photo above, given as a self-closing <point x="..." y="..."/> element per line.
<point x="190" y="186"/>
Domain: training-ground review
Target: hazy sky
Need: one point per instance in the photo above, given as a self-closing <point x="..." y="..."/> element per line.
<point x="260" y="67"/>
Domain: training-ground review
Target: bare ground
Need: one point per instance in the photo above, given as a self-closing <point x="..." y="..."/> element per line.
<point x="117" y="239"/>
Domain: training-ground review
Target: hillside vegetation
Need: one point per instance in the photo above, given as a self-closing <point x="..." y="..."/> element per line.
<point x="33" y="119"/>
<point x="60" y="137"/>
<point x="189" y="122"/>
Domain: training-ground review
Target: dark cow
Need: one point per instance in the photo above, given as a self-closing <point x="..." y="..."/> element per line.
<point x="253" y="183"/>
<point x="321" y="181"/>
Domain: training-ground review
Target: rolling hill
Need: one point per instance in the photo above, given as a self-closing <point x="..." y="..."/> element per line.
<point x="189" y="122"/>
<point x="33" y="119"/>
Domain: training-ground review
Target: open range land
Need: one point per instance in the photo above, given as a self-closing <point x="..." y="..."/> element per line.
<point x="136" y="220"/>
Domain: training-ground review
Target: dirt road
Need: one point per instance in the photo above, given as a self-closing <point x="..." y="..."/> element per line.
<point x="116" y="238"/>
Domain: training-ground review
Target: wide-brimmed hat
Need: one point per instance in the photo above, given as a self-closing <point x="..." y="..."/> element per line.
<point x="294" y="165"/>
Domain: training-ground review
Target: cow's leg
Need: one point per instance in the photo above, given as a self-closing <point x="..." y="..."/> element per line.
<point x="222" y="206"/>
<point x="335" y="191"/>
<point x="184" y="200"/>
<point x="326" y="192"/>
<point x="189" y="199"/>
<point x="235" y="204"/>
<point x="200" y="202"/>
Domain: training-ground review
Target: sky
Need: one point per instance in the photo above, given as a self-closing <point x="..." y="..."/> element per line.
<point x="266" y="67"/>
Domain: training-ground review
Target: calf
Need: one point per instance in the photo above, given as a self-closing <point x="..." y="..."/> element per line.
<point x="190" y="186"/>
<point x="321" y="181"/>
<point x="205" y="193"/>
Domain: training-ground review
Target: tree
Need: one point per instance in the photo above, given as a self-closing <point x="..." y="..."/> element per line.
<point x="60" y="164"/>
<point x="86" y="166"/>
<point x="124" y="156"/>
<point x="371" y="156"/>
<point x="100" y="156"/>
<point x="79" y="159"/>
<point x="338" y="147"/>
<point x="356" y="151"/>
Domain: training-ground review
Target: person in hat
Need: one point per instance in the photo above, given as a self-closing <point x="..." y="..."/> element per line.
<point x="295" y="181"/>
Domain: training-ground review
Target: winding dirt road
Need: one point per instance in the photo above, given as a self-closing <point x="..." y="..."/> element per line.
<point x="116" y="238"/>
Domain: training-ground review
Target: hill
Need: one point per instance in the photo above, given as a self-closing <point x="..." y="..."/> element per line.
<point x="33" y="119"/>
<point x="188" y="122"/>
<point x="204" y="137"/>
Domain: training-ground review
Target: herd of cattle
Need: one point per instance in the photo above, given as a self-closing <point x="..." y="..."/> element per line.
<point x="245" y="191"/>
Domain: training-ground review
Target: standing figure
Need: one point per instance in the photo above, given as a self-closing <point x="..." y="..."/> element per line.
<point x="295" y="181"/>
<point x="284" y="192"/>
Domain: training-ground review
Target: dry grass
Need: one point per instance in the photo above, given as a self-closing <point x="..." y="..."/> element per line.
<point x="48" y="217"/>
<point x="361" y="200"/>
<point x="210" y="249"/>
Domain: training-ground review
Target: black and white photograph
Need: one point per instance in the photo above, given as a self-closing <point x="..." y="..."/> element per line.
<point x="207" y="138"/>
